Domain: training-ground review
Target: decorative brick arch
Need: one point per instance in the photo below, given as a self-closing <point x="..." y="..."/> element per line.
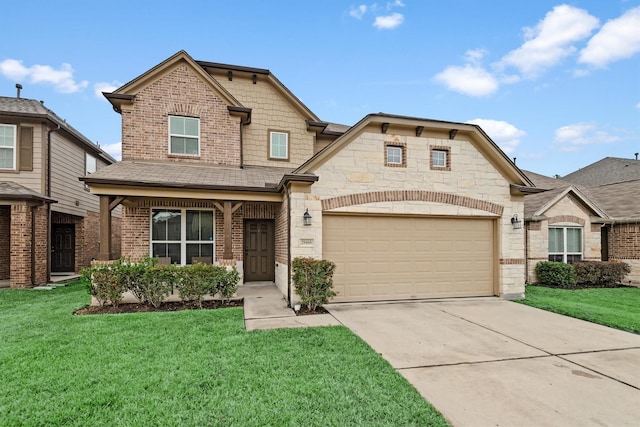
<point x="566" y="218"/>
<point x="410" y="195"/>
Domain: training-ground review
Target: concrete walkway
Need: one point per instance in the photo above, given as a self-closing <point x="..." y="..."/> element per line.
<point x="492" y="362"/>
<point x="266" y="308"/>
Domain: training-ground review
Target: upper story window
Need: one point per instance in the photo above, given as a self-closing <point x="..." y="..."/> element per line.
<point x="8" y="147"/>
<point x="565" y="244"/>
<point x="90" y="164"/>
<point x="278" y="145"/>
<point x="441" y="158"/>
<point x="395" y="154"/>
<point x="184" y="135"/>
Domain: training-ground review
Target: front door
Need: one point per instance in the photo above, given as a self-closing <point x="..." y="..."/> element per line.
<point x="259" y="250"/>
<point x="63" y="248"/>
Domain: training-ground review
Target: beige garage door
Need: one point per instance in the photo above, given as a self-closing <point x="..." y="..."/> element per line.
<point x="386" y="258"/>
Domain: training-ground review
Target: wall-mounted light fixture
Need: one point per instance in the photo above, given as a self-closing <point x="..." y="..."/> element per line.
<point x="306" y="218"/>
<point x="517" y="224"/>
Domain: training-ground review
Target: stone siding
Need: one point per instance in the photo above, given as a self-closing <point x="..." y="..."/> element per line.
<point x="180" y="91"/>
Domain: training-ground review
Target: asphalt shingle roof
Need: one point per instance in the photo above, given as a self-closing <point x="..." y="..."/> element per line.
<point x="11" y="191"/>
<point x="187" y="175"/>
<point x="609" y="170"/>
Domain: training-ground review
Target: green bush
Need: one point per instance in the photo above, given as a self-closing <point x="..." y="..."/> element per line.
<point x="313" y="281"/>
<point x="157" y="282"/>
<point x="132" y="274"/>
<point x="105" y="283"/>
<point x="556" y="274"/>
<point x="600" y="273"/>
<point x="197" y="280"/>
<point x="227" y="283"/>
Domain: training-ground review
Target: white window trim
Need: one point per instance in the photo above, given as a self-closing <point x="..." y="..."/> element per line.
<point x="183" y="232"/>
<point x="434" y="158"/>
<point x="86" y="163"/>
<point x="15" y="147"/>
<point x="393" y="148"/>
<point x="566" y="252"/>
<point x="180" y="135"/>
<point x="286" y="134"/>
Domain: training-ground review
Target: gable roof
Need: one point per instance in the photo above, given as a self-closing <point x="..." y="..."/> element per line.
<point x="620" y="200"/>
<point x="482" y="141"/>
<point x="609" y="170"/>
<point x="127" y="92"/>
<point x="30" y="108"/>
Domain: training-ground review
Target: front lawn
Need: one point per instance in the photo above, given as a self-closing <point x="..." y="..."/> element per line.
<point x="187" y="368"/>
<point x="615" y="307"/>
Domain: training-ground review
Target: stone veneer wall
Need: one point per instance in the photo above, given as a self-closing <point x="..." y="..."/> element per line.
<point x="180" y="91"/>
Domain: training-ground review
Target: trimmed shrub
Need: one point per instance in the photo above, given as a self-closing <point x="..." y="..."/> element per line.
<point x="556" y="274"/>
<point x="197" y="280"/>
<point x="600" y="273"/>
<point x="313" y="281"/>
<point x="227" y="283"/>
<point x="105" y="283"/>
<point x="157" y="282"/>
<point x="132" y="275"/>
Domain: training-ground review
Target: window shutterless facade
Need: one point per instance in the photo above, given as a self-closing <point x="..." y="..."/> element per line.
<point x="8" y="147"/>
<point x="183" y="235"/>
<point x="184" y="136"/>
<point x="565" y="244"/>
<point x="278" y="145"/>
<point x="394" y="155"/>
<point x="439" y="158"/>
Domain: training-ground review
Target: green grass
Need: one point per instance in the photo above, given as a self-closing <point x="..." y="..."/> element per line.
<point x="187" y="368"/>
<point x="615" y="307"/>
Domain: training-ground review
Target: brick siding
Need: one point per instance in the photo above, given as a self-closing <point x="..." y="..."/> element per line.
<point x="20" y="268"/>
<point x="282" y="233"/>
<point x="624" y="241"/>
<point x="566" y="218"/>
<point x="145" y="129"/>
<point x="5" y="242"/>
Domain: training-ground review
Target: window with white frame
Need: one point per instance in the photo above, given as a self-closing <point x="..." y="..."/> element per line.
<point x="8" y="146"/>
<point x="565" y="244"/>
<point x="279" y="145"/>
<point x="439" y="158"/>
<point x="183" y="235"/>
<point x="184" y="135"/>
<point x="394" y="155"/>
<point x="90" y="164"/>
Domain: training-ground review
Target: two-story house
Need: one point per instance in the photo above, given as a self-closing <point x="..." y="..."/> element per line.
<point x="48" y="218"/>
<point x="223" y="164"/>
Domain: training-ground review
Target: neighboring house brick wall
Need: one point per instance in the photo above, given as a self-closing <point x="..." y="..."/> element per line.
<point x="5" y="241"/>
<point x="270" y="110"/>
<point x="359" y="169"/>
<point x="145" y="129"/>
<point x="22" y="216"/>
<point x="624" y="245"/>
<point x="135" y="225"/>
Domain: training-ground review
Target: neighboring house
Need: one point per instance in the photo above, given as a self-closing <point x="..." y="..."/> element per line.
<point x="48" y="219"/>
<point x="614" y="184"/>
<point x="562" y="224"/>
<point x="223" y="164"/>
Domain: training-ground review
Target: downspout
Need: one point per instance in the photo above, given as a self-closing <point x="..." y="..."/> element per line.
<point x="33" y="246"/>
<point x="49" y="132"/>
<point x="288" y="246"/>
<point x="241" y="148"/>
<point x="526" y="252"/>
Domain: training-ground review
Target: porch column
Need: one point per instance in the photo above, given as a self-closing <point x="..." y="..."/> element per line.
<point x="104" y="254"/>
<point x="228" y="225"/>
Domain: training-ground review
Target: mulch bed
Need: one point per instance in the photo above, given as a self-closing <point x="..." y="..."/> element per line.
<point x="304" y="311"/>
<point x="165" y="306"/>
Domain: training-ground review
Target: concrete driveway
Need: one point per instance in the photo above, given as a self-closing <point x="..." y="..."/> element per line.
<point x="491" y="362"/>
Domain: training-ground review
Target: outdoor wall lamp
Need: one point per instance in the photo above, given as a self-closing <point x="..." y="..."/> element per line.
<point x="517" y="224"/>
<point x="306" y="218"/>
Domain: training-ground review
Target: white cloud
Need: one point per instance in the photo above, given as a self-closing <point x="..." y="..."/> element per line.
<point x="474" y="56"/>
<point x="617" y="39"/>
<point x="469" y="80"/>
<point x="572" y="136"/>
<point x="61" y="79"/>
<point x="388" y="22"/>
<point x="506" y="135"/>
<point x="396" y="3"/>
<point x="115" y="150"/>
<point x="638" y="105"/>
<point x="551" y="40"/>
<point x="100" y="87"/>
<point x="359" y="11"/>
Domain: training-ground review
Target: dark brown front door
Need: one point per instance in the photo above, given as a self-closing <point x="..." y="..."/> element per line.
<point x="259" y="250"/>
<point x="63" y="247"/>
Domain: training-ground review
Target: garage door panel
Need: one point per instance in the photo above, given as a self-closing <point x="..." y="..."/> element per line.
<point x="385" y="258"/>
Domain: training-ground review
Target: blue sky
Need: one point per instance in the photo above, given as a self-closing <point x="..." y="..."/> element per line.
<point x="555" y="84"/>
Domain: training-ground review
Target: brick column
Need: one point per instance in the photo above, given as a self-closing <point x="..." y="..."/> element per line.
<point x="105" y="229"/>
<point x="20" y="246"/>
<point x="41" y="217"/>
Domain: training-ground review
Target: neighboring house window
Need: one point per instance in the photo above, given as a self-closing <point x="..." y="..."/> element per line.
<point x="8" y="147"/>
<point x="565" y="244"/>
<point x="91" y="164"/>
<point x="183" y="235"/>
<point x="395" y="154"/>
<point x="184" y="136"/>
<point x="278" y="145"/>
